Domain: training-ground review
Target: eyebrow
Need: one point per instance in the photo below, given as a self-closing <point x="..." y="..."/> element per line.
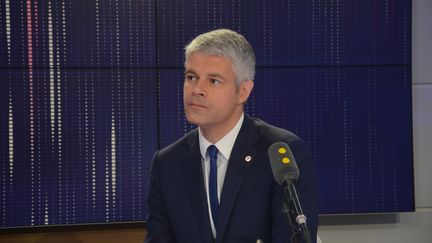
<point x="189" y="71"/>
<point x="211" y="75"/>
<point x="216" y="75"/>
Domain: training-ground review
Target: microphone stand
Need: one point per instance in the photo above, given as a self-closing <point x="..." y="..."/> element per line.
<point x="294" y="212"/>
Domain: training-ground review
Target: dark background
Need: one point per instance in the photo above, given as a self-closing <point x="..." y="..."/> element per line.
<point x="90" y="89"/>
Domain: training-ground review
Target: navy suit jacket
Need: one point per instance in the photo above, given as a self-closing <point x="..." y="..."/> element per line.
<point x="251" y="200"/>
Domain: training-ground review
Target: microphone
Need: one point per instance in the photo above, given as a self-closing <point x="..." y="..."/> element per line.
<point x="283" y="164"/>
<point x="286" y="173"/>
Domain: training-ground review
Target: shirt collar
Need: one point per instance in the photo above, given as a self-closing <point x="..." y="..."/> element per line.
<point x="225" y="144"/>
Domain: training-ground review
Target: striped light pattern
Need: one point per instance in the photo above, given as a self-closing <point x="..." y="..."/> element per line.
<point x="80" y="125"/>
<point x="90" y="89"/>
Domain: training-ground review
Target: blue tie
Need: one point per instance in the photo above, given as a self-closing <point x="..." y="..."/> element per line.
<point x="213" y="192"/>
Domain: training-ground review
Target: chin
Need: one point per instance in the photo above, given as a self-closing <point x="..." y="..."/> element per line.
<point x="194" y="120"/>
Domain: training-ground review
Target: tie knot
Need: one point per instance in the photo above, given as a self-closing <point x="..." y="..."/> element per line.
<point x="212" y="150"/>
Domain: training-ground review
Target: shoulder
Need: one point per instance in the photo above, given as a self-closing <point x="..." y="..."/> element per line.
<point x="272" y="133"/>
<point x="180" y="146"/>
<point x="269" y="134"/>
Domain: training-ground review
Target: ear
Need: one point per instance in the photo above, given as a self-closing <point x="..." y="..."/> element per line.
<point x="244" y="90"/>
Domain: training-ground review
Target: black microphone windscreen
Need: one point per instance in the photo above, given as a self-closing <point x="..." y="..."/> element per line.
<point x="283" y="164"/>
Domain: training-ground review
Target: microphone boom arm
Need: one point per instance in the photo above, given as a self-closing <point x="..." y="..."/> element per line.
<point x="292" y="208"/>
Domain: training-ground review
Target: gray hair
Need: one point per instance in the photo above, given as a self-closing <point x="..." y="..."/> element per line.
<point x="228" y="44"/>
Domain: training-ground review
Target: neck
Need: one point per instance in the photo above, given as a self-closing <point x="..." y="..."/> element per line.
<point x="214" y="134"/>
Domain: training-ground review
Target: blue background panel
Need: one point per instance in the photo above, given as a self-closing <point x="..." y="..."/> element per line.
<point x="82" y="34"/>
<point x="83" y="161"/>
<point x="294" y="32"/>
<point x="89" y="90"/>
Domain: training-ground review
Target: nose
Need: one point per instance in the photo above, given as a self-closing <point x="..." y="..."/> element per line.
<point x="198" y="88"/>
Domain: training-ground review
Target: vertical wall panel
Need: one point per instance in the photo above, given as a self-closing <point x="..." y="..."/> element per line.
<point x="89" y="90"/>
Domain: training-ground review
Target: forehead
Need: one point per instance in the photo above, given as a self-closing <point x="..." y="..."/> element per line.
<point x="201" y="62"/>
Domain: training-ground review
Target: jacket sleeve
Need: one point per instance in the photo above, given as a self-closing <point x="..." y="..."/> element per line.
<point x="159" y="229"/>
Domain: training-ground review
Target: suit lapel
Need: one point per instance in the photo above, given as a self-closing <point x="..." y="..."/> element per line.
<point x="193" y="177"/>
<point x="241" y="159"/>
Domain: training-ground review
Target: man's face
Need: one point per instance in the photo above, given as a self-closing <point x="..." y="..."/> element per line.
<point x="212" y="100"/>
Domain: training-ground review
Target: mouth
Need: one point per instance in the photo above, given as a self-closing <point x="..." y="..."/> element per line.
<point x="195" y="105"/>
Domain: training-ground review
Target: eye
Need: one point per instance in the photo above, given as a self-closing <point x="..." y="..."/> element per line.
<point x="190" y="77"/>
<point x="215" y="81"/>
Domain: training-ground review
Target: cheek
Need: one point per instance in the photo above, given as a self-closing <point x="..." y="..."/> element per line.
<point x="185" y="90"/>
<point x="226" y="102"/>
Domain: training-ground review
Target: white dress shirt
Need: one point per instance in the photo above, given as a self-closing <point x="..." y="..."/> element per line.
<point x="224" y="146"/>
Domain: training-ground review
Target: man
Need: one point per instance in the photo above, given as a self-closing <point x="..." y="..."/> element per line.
<point x="215" y="184"/>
